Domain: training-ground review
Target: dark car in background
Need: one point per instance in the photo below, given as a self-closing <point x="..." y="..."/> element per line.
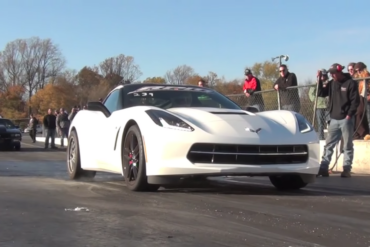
<point x="10" y="135"/>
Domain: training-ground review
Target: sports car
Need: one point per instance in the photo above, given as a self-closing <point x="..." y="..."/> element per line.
<point x="10" y="135"/>
<point x="158" y="135"/>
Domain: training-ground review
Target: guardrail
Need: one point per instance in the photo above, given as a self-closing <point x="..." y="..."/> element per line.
<point x="302" y="99"/>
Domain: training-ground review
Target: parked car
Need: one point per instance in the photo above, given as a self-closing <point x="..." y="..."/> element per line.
<point x="38" y="129"/>
<point x="10" y="135"/>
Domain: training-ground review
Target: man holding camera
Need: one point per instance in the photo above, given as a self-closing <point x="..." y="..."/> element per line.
<point x="343" y="102"/>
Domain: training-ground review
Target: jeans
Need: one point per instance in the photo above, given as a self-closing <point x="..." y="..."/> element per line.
<point x="336" y="130"/>
<point x="321" y="114"/>
<point x="295" y="108"/>
<point x="50" y="133"/>
<point x="64" y="134"/>
<point x="368" y="113"/>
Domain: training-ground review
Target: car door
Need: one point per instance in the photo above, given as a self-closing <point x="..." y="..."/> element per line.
<point x="113" y="102"/>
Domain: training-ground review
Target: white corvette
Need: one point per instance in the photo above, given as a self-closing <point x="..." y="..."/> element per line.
<point x="160" y="134"/>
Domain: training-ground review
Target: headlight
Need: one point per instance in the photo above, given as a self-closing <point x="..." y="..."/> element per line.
<point x="169" y="121"/>
<point x="303" y="125"/>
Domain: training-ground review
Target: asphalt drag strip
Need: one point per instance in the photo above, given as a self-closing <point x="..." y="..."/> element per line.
<point x="229" y="211"/>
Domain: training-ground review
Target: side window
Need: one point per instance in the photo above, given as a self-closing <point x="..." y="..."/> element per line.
<point x="207" y="101"/>
<point x="112" y="102"/>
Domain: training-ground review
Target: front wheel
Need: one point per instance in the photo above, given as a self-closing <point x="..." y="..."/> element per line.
<point x="288" y="182"/>
<point x="74" y="161"/>
<point x="134" y="165"/>
<point x="17" y="146"/>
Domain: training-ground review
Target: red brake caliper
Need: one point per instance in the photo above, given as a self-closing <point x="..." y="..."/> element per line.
<point x="130" y="156"/>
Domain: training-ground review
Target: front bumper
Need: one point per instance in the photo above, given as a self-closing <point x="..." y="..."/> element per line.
<point x="171" y="159"/>
<point x="8" y="140"/>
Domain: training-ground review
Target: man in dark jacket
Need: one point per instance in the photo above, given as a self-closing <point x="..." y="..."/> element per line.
<point x="289" y="98"/>
<point x="250" y="87"/>
<point x="343" y="102"/>
<point x="63" y="124"/>
<point x="50" y="128"/>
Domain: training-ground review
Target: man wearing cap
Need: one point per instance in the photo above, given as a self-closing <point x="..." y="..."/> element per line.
<point x="343" y="102"/>
<point x="252" y="85"/>
<point x="321" y="112"/>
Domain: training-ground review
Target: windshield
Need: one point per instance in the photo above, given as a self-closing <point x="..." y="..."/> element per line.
<point x="7" y="123"/>
<point x="172" y="98"/>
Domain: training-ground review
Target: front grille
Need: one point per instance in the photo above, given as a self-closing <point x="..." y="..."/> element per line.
<point x="248" y="154"/>
<point x="5" y="136"/>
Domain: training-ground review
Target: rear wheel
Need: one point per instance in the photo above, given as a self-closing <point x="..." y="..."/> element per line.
<point x="134" y="165"/>
<point x="288" y="182"/>
<point x="74" y="161"/>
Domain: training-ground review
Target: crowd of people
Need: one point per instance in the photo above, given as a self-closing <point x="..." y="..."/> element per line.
<point x="343" y="105"/>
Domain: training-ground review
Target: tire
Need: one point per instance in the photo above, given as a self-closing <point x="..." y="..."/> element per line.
<point x="17" y="147"/>
<point x="133" y="162"/>
<point x="288" y="182"/>
<point x="74" y="160"/>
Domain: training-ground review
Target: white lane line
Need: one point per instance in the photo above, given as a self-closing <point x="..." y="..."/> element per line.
<point x="31" y="145"/>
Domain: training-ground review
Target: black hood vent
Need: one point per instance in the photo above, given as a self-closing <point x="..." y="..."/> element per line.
<point x="229" y="113"/>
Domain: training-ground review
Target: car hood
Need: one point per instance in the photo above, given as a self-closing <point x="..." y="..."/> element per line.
<point x="3" y="130"/>
<point x="239" y="123"/>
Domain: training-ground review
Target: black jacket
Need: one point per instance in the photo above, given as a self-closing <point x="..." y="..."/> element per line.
<point x="50" y="121"/>
<point x="288" y="96"/>
<point x="344" y="97"/>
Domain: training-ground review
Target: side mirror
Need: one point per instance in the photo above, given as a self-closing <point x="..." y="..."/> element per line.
<point x="97" y="106"/>
<point x="252" y="109"/>
<point x="17" y="126"/>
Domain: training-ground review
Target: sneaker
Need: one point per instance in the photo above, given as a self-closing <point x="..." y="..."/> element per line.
<point x="346" y="174"/>
<point x="323" y="173"/>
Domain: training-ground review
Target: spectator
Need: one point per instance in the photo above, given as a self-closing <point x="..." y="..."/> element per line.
<point x="321" y="111"/>
<point x="289" y="98"/>
<point x="351" y="69"/>
<point x="63" y="124"/>
<point x="33" y="127"/>
<point x="252" y="85"/>
<point x="343" y="102"/>
<point x="362" y="119"/>
<point x="202" y="83"/>
<point x="50" y="126"/>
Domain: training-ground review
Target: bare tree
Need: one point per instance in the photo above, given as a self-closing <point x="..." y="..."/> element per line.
<point x="211" y="79"/>
<point x="51" y="62"/>
<point x="11" y="61"/>
<point x="122" y="66"/>
<point x="30" y="63"/>
<point x="179" y="75"/>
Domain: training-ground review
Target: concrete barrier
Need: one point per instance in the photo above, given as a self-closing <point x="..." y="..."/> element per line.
<point x="361" y="162"/>
<point x="57" y="140"/>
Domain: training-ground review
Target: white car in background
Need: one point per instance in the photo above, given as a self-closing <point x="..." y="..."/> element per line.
<point x="38" y="129"/>
<point x="160" y="134"/>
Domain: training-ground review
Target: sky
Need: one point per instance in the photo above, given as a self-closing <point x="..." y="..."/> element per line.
<point x="223" y="36"/>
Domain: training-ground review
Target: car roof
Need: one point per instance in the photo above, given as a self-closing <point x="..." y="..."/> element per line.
<point x="156" y="86"/>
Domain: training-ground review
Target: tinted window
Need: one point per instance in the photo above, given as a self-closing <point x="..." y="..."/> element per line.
<point x="112" y="102"/>
<point x="182" y="98"/>
<point x="7" y="123"/>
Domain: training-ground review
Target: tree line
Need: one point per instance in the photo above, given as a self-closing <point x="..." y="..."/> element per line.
<point x="34" y="77"/>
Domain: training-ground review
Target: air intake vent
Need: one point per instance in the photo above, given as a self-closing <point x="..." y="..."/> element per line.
<point x="229" y="113"/>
